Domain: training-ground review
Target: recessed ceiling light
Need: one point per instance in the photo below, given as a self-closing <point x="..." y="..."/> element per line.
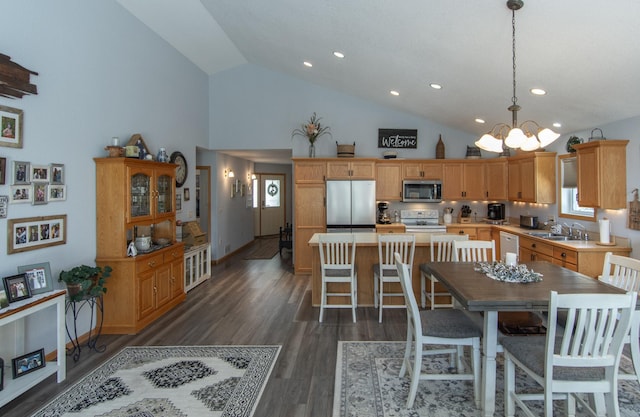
<point x="394" y="93"/>
<point x="479" y="120"/>
<point x="557" y="124"/>
<point x="538" y="91"/>
<point x="338" y="54"/>
<point x="435" y="86"/>
<point x="308" y="64"/>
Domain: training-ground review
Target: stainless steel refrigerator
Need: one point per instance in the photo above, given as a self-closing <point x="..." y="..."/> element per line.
<point x="351" y="206"/>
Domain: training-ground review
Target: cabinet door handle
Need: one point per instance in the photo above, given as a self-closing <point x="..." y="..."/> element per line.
<point x="533" y="245"/>
<point x="461" y="232"/>
<point x="152" y="263"/>
<point x="564" y="255"/>
<point x="155" y="289"/>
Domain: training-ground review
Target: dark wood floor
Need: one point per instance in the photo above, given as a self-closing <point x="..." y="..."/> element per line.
<point x="249" y="302"/>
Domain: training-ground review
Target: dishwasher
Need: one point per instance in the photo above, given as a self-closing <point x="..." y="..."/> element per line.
<point x="509" y="243"/>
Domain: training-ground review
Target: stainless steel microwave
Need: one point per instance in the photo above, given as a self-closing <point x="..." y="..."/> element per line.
<point x="425" y="191"/>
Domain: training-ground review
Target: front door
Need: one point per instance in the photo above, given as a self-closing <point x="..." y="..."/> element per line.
<point x="272" y="203"/>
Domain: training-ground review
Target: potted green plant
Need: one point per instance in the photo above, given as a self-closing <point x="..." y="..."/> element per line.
<point x="85" y="280"/>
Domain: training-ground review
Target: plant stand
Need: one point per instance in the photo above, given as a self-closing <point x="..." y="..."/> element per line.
<point x="92" y="302"/>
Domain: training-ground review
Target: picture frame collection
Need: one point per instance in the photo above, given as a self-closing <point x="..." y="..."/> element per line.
<point x="37" y="184"/>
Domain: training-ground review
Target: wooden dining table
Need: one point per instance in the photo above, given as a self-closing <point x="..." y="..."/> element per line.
<point x="475" y="291"/>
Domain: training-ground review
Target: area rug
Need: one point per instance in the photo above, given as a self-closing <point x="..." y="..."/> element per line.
<point x="178" y="381"/>
<point x="263" y="248"/>
<point x="367" y="385"/>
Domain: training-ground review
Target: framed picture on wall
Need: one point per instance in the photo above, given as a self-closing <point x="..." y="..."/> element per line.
<point x="40" y="173"/>
<point x="57" y="174"/>
<point x="21" y="171"/>
<point x="56" y="193"/>
<point x="31" y="233"/>
<point x="21" y="194"/>
<point x="10" y="127"/>
<point x="3" y="170"/>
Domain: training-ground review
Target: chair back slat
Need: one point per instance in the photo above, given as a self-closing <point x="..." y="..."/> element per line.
<point x="392" y="243"/>
<point x="442" y="246"/>
<point x="594" y="330"/>
<point x="474" y="251"/>
<point x="621" y="271"/>
<point x="337" y="251"/>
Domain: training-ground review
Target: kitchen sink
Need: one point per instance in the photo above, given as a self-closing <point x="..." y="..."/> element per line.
<point x="540" y="234"/>
<point x="550" y="236"/>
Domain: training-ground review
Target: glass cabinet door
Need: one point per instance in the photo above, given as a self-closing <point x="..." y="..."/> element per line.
<point x="140" y="204"/>
<point x="165" y="201"/>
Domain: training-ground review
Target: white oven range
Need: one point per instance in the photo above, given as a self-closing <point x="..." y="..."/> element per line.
<point x="422" y="221"/>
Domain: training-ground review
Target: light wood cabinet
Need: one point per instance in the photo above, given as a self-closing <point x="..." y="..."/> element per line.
<point x="463" y="180"/>
<point x="309" y="209"/>
<point x="133" y="196"/>
<point x="351" y="169"/>
<point x="532" y="177"/>
<point x="588" y="262"/>
<point x="496" y="179"/>
<point x="602" y="174"/>
<point x="388" y="181"/>
<point x="422" y="170"/>
<point x="475" y="232"/>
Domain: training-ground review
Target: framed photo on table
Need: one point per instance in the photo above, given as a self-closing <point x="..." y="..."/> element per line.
<point x="16" y="287"/>
<point x="11" y="127"/>
<point x="38" y="276"/>
<point x="30" y="362"/>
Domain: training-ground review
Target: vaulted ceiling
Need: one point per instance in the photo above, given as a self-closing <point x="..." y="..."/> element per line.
<point x="584" y="53"/>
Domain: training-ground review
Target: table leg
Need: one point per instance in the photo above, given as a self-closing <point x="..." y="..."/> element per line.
<point x="489" y="348"/>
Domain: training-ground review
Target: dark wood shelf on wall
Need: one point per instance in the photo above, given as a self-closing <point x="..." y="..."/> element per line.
<point x="15" y="79"/>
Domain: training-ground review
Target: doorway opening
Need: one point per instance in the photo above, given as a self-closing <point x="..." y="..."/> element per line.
<point x="269" y="204"/>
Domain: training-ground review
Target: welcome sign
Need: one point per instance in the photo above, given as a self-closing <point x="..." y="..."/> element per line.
<point x="398" y="138"/>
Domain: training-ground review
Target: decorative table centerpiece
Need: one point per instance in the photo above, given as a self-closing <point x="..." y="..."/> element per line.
<point x="508" y="273"/>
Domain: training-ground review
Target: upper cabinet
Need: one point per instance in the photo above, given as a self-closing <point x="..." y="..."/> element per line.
<point x="602" y="174"/>
<point x="309" y="171"/>
<point x="351" y="169"/>
<point x="532" y="177"/>
<point x="422" y="170"/>
<point x="389" y="180"/>
<point x="477" y="179"/>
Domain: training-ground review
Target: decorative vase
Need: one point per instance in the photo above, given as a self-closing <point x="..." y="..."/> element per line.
<point x="440" y="148"/>
<point x="312" y="150"/>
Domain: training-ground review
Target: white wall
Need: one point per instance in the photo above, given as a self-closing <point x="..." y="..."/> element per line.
<point x="101" y="74"/>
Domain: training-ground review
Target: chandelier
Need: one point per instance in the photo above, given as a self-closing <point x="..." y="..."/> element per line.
<point x="527" y="136"/>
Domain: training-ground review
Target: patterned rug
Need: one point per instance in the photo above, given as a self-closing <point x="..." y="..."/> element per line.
<point x="367" y="385"/>
<point x="176" y="381"/>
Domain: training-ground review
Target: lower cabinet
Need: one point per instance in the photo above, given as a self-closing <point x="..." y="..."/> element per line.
<point x="142" y="289"/>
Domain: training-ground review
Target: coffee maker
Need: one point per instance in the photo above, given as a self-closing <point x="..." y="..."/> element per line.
<point x="383" y="215"/>
<point x="495" y="211"/>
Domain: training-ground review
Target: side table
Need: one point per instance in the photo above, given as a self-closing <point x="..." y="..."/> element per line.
<point x="75" y="306"/>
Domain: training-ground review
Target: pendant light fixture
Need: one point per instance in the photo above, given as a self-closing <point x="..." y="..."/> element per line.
<point x="529" y="135"/>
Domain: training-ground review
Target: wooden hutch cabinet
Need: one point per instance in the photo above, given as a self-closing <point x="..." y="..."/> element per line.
<point x="136" y="198"/>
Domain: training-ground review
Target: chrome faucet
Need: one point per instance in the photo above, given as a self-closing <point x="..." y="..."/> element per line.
<point x="569" y="229"/>
<point x="579" y="232"/>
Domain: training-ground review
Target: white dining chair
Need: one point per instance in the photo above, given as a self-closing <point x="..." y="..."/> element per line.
<point x="624" y="272"/>
<point x="441" y="250"/>
<point x="474" y="251"/>
<point x="385" y="271"/>
<point x="581" y="357"/>
<point x="337" y="266"/>
<point x="448" y="327"/>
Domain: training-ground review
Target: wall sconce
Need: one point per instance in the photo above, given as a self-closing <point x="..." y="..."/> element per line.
<point x="228" y="173"/>
<point x="251" y="176"/>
